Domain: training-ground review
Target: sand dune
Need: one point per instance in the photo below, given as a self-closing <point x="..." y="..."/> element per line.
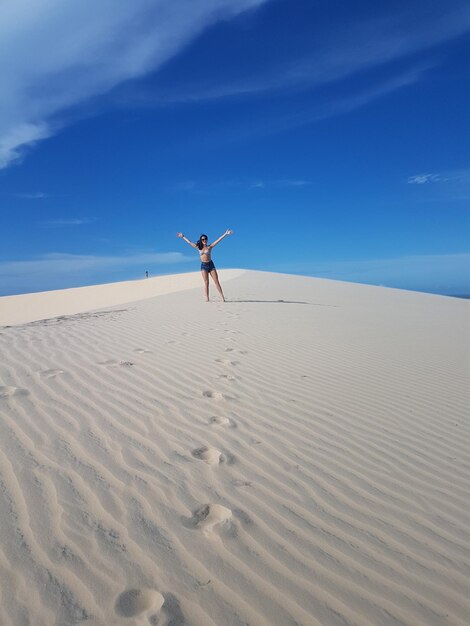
<point x="297" y="455"/>
<point x="31" y="307"/>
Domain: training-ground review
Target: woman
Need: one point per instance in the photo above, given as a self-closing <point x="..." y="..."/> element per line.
<point x="207" y="265"/>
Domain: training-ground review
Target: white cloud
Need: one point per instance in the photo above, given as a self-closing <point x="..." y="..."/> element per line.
<point x="57" y="54"/>
<point x="57" y="261"/>
<point x="334" y="106"/>
<point x="449" y="186"/>
<point x="17" y="135"/>
<point x="440" y="273"/>
<point x="279" y="183"/>
<point x="381" y="39"/>
<point x="421" y="179"/>
<point x="335" y="53"/>
<point x="461" y="177"/>
<point x="58" y="270"/>
<point x="192" y="186"/>
<point x="35" y="195"/>
<point x="67" y="222"/>
<point x="294" y="183"/>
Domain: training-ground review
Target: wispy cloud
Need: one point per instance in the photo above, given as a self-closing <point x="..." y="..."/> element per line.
<point x="66" y="222"/>
<point x="57" y="270"/>
<point x="336" y="52"/>
<point x="375" y="41"/>
<point x="186" y="185"/>
<point x="352" y="101"/>
<point x="294" y="183"/>
<point x="422" y="179"/>
<point x="16" y="134"/>
<point x="444" y="187"/>
<point x="205" y="187"/>
<point x="439" y="273"/>
<point x="77" y="58"/>
<point x="35" y="195"/>
<point x="262" y="184"/>
<point x="455" y="176"/>
<point x="298" y="116"/>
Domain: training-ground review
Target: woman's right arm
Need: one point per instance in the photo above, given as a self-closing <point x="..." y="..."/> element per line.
<point x="181" y="236"/>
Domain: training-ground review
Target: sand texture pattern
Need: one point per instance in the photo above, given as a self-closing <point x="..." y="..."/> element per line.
<point x="296" y="456"/>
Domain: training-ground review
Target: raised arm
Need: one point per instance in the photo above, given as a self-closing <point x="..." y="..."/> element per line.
<point x="181" y="236"/>
<point x="227" y="232"/>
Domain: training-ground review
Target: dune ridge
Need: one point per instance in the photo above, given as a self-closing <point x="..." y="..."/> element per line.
<point x="32" y="307"/>
<point x="297" y="455"/>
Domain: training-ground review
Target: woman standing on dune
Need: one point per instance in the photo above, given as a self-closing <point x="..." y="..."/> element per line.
<point x="207" y="265"/>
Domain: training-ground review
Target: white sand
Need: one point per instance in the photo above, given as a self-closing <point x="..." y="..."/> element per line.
<point x="299" y="455"/>
<point x="31" y="307"/>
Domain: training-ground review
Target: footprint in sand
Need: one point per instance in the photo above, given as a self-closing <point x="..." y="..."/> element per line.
<point x="229" y="349"/>
<point x="134" y="602"/>
<point x="227" y="362"/>
<point x="172" y="610"/>
<point x="209" y="455"/>
<point x="114" y="363"/>
<point x="227" y="377"/>
<point x="242" y="483"/>
<point x="216" y="395"/>
<point x="8" y="392"/>
<point x="142" y="351"/>
<point x="210" y="515"/>
<point x="222" y="421"/>
<point x="50" y="373"/>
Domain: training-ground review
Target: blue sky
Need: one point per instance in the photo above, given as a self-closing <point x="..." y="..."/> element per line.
<point x="332" y="137"/>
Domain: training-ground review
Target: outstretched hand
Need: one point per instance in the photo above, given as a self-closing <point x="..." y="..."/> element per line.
<point x="229" y="232"/>
<point x="180" y="235"/>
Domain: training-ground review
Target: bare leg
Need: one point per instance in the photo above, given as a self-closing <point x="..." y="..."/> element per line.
<point x="215" y="278"/>
<point x="205" y="278"/>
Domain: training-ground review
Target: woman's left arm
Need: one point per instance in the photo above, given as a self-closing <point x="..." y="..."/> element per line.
<point x="227" y="232"/>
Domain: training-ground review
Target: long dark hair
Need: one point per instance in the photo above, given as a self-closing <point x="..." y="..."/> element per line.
<point x="199" y="242"/>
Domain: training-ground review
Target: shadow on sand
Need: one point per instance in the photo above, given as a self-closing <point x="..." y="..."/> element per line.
<point x="281" y="302"/>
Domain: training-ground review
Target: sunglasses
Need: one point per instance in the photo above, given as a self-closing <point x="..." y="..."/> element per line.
<point x="203" y="238"/>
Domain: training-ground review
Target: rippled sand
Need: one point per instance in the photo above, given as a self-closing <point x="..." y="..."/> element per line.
<point x="297" y="455"/>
